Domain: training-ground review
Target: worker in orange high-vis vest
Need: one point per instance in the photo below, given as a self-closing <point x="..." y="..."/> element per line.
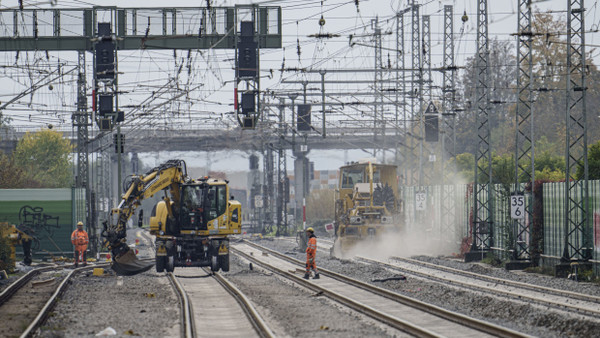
<point x="80" y="240"/>
<point x="311" y="254"/>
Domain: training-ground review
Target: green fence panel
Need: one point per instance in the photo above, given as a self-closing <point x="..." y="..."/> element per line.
<point x="49" y="213"/>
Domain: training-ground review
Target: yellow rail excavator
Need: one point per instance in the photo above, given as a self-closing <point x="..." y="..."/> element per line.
<point x="366" y="205"/>
<point x="191" y="224"/>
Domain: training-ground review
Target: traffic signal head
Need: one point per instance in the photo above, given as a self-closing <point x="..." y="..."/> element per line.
<point x="248" y="103"/>
<point x="105" y="53"/>
<point x="303" y="120"/>
<point x="105" y="105"/>
<point x="431" y="128"/>
<point x="247" y="48"/>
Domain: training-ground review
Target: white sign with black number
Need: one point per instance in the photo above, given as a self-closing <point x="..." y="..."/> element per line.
<point x="258" y="201"/>
<point x="420" y="200"/>
<point x="517" y="206"/>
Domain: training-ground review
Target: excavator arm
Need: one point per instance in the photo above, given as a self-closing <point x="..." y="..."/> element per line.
<point x="168" y="175"/>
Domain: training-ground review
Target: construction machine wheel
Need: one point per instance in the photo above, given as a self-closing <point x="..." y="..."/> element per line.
<point x="224" y="262"/>
<point x="170" y="263"/>
<point x="160" y="263"/>
<point x="214" y="263"/>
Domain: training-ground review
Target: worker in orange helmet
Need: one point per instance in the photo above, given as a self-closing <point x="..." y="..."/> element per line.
<point x="311" y="254"/>
<point x="80" y="240"/>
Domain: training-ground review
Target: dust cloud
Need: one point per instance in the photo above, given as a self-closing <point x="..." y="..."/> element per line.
<point x="412" y="241"/>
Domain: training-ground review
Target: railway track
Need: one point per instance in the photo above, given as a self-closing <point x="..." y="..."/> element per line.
<point x="211" y="305"/>
<point x="559" y="299"/>
<point x="400" y="312"/>
<point x="26" y="303"/>
<point x="216" y="306"/>
<point x="574" y="302"/>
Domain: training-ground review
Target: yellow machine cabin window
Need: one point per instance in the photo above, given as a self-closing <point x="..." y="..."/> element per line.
<point x="218" y="201"/>
<point x="351" y="177"/>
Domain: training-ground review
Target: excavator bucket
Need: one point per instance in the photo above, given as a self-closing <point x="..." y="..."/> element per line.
<point x="128" y="264"/>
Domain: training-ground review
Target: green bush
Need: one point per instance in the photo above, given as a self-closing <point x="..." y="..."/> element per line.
<point x="492" y="260"/>
<point x="6" y="262"/>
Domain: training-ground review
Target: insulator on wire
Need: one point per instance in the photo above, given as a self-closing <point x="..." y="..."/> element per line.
<point x="298" y="51"/>
<point x="322" y="21"/>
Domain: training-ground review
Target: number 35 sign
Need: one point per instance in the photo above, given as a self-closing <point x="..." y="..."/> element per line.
<point x="517" y="206"/>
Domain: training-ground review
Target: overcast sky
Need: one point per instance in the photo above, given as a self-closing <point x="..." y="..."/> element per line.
<point x="300" y="19"/>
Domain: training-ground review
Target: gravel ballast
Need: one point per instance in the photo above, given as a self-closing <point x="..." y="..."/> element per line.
<point x="143" y="304"/>
<point x="520" y="316"/>
<point x="293" y="311"/>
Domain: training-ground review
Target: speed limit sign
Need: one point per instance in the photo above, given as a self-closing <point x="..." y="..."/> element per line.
<point x="420" y="200"/>
<point x="517" y="206"/>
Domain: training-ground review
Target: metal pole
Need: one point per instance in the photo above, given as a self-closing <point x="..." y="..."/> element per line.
<point x="524" y="145"/>
<point x="322" y="72"/>
<point x="482" y="210"/>
<point x="578" y="238"/>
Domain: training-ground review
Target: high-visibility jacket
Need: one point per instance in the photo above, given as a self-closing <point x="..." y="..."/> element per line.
<point x="80" y="239"/>
<point x="311" y="248"/>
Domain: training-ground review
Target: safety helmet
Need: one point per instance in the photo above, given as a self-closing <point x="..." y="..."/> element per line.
<point x="79" y="223"/>
<point x="310" y="229"/>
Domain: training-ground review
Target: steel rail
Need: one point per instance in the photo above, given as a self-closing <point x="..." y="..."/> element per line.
<point x="188" y="329"/>
<point x="506" y="282"/>
<point x="45" y="311"/>
<point x="369" y="311"/>
<point x="473" y="323"/>
<point x="563" y="293"/>
<point x="257" y="321"/>
<point x="550" y="303"/>
<point x="19" y="283"/>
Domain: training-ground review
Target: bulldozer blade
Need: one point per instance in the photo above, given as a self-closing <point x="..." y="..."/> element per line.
<point x="128" y="264"/>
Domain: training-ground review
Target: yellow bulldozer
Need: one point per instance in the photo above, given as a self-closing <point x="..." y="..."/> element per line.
<point x="367" y="204"/>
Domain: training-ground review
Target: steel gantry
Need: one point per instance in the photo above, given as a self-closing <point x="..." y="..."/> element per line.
<point x="448" y="136"/>
<point x="481" y="231"/>
<point x="577" y="232"/>
<point x="132" y="29"/>
<point x="524" y="146"/>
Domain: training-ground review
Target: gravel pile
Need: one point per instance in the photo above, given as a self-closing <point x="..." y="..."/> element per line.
<point x="520" y="316"/>
<point x="293" y="311"/>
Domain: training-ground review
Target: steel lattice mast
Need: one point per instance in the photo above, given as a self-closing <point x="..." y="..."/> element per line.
<point x="482" y="237"/>
<point x="81" y="122"/>
<point x="415" y="86"/>
<point x="426" y="98"/>
<point x="401" y="88"/>
<point x="448" y="207"/>
<point x="524" y="146"/>
<point x="378" y="120"/>
<point x="577" y="232"/>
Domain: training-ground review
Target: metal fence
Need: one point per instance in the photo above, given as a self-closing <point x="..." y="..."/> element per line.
<point x="554" y="230"/>
<point x="430" y="211"/>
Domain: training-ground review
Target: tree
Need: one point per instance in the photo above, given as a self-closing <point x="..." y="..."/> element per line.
<point x="46" y="157"/>
<point x="502" y="67"/>
<point x="465" y="164"/>
<point x="593" y="163"/>
<point x="13" y="176"/>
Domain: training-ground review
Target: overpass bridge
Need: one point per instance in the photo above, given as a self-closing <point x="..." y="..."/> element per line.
<point x="149" y="140"/>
